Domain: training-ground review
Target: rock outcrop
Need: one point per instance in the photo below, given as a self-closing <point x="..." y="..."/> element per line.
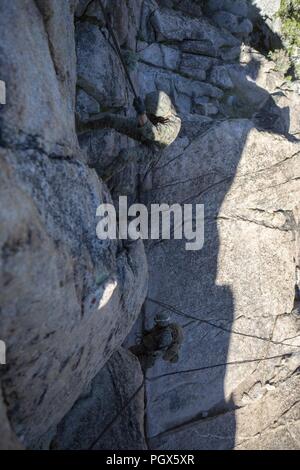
<point x="69" y="300"/>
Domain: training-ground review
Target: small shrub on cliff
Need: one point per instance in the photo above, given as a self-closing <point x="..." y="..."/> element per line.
<point x="281" y="59"/>
<point x="290" y="16"/>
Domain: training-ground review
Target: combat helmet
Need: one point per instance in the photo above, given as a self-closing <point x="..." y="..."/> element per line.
<point x="162" y="319"/>
<point x="158" y="103"/>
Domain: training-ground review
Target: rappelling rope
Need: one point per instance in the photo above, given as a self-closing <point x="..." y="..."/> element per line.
<point x="112" y="422"/>
<point x="198" y="369"/>
<point x="219" y="327"/>
<point x="118" y="50"/>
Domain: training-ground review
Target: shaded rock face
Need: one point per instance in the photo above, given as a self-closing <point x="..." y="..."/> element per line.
<point x="91" y="423"/>
<point x="237" y="292"/>
<point x="68" y="300"/>
<point x="267" y="28"/>
<point x="9" y="440"/>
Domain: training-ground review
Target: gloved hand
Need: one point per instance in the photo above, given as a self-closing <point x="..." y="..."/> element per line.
<point x="139" y="105"/>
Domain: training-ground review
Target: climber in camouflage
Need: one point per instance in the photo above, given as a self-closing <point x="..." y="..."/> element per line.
<point x="157" y="121"/>
<point x="164" y="340"/>
<point x="157" y="125"/>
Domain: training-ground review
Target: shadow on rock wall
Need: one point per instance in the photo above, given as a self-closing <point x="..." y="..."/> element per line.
<point x="234" y="155"/>
<point x="221" y="295"/>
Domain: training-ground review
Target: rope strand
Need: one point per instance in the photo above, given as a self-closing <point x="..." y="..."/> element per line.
<point x="214" y="325"/>
<point x="118" y="50"/>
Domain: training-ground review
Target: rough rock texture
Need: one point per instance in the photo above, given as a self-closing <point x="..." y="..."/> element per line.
<point x="40" y="82"/>
<point x="271" y="422"/>
<point x="246" y="173"/>
<point x="241" y="282"/>
<point x="91" y="423"/>
<point x="68" y="300"/>
<point x="8" y="438"/>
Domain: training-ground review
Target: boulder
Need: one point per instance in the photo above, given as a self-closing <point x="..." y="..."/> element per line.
<point x="39" y="67"/>
<point x="176" y="85"/>
<point x="189" y="7"/>
<point x="77" y="296"/>
<point x="237" y="7"/>
<point x="194" y="66"/>
<point x="173" y="26"/>
<point x="68" y="299"/>
<point x="220" y="77"/>
<point x="161" y="56"/>
<point x="227" y="20"/>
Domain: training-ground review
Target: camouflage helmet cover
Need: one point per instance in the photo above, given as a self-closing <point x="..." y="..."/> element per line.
<point x="158" y="103"/>
<point x="162" y="318"/>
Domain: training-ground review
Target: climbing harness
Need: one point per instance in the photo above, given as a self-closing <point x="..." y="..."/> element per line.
<point x="118" y="50"/>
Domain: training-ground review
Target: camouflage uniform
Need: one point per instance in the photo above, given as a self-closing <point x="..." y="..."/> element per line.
<point x="161" y="134"/>
<point x="164" y="340"/>
<point x="155" y="137"/>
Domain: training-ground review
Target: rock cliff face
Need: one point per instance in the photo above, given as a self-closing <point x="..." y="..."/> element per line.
<point x="69" y="300"/>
